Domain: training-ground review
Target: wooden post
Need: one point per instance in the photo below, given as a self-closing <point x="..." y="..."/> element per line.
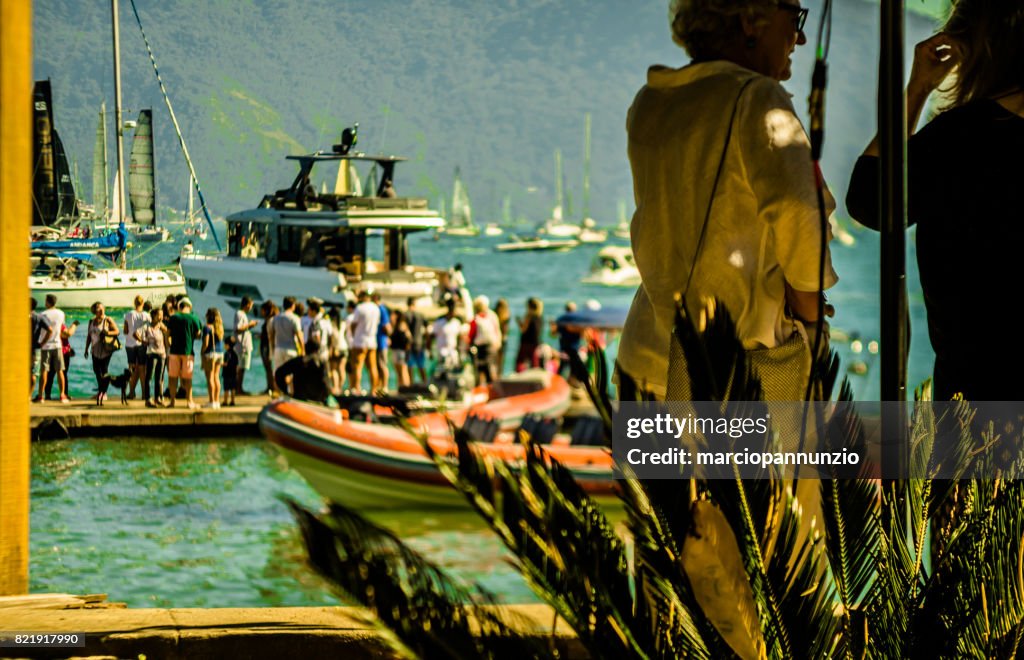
<point x="15" y="211"/>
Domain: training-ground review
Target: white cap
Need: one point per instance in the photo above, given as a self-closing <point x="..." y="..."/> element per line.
<point x="482" y="300"/>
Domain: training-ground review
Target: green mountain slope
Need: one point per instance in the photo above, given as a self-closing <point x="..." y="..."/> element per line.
<point x="493" y="87"/>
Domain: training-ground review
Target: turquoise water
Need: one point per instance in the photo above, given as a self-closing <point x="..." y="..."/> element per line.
<point x="197" y="522"/>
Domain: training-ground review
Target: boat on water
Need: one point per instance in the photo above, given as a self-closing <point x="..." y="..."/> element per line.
<point x="142" y="183"/>
<point x="80" y="266"/>
<point x="378" y="465"/>
<point x="297" y="242"/>
<point x="622" y="228"/>
<point x="493" y="229"/>
<point x="55" y="207"/>
<point x="613" y="266"/>
<point x="535" y="243"/>
<point x="460" y="222"/>
<point x="589" y="231"/>
<point x="82" y="271"/>
<point x="556" y="225"/>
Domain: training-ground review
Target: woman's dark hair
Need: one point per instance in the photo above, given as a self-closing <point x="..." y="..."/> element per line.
<point x="991" y="36"/>
<point x="95" y="306"/>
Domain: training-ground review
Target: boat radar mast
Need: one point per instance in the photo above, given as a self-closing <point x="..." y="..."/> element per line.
<point x="349" y="138"/>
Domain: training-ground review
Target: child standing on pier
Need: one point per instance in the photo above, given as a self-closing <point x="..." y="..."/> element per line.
<point x="231" y="370"/>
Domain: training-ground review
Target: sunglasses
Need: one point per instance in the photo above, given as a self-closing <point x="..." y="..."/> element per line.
<point x="800" y="17"/>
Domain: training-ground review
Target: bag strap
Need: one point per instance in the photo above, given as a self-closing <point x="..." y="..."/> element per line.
<point x="714" y="186"/>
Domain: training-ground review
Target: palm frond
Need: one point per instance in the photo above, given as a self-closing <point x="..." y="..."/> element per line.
<point x="429" y="614"/>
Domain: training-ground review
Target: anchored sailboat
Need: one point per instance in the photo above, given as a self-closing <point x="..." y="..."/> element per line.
<point x="622" y="229"/>
<point x="556" y="225"/>
<point x="142" y="182"/>
<point x="65" y="267"/>
<point x="588" y="227"/>
<point x="461" y="221"/>
<point x="54" y="204"/>
<point x="100" y="182"/>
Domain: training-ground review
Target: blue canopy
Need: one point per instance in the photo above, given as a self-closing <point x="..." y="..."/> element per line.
<point x="606" y="318"/>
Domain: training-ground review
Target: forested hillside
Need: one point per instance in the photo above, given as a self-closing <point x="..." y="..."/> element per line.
<point x="493" y="87"/>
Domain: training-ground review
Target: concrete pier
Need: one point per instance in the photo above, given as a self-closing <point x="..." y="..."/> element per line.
<point x="254" y="633"/>
<point x="84" y="417"/>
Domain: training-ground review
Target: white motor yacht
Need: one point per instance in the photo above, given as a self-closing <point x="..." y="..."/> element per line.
<point x="613" y="266"/>
<point x="299" y="243"/>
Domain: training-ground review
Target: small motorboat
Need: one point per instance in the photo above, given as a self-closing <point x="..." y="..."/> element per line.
<point x="613" y="266"/>
<point x="493" y="229"/>
<point x="375" y="464"/>
<point x="535" y="243"/>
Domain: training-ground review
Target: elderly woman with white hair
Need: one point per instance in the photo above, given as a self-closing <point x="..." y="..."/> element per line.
<point x="726" y="197"/>
<point x="484" y="340"/>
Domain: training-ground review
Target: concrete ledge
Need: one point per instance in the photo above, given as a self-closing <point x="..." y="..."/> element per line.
<point x="238" y="633"/>
<point x="83" y="417"/>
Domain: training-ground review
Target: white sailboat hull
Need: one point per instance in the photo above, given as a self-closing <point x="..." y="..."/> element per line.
<point x="588" y="235"/>
<point x="533" y="245"/>
<point x="561" y="230"/>
<point x="114" y="287"/>
<point x="150" y="234"/>
<point x="461" y="232"/>
<point x="622" y="277"/>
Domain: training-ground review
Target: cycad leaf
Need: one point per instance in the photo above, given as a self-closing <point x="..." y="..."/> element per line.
<point x="429" y="613"/>
<point x="715" y="567"/>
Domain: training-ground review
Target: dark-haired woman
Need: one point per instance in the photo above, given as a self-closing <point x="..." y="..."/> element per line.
<point x="965" y="176"/>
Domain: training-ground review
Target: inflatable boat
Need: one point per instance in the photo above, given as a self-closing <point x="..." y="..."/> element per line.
<point x="375" y="464"/>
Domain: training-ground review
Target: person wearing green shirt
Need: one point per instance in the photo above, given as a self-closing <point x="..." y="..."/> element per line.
<point x="182" y="330"/>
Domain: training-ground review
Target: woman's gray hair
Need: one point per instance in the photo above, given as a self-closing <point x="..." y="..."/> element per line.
<point x="705" y="27"/>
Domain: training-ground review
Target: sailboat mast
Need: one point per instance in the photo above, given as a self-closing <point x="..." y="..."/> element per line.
<point x="558" y="182"/>
<point x="118" y="123"/>
<point x="586" y="166"/>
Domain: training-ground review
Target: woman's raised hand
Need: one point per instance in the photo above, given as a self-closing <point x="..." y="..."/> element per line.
<point x="934" y="58"/>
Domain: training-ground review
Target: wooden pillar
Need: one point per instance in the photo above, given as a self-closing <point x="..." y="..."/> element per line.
<point x="15" y="214"/>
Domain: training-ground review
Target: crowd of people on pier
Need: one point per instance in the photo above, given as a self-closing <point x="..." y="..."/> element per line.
<point x="309" y="350"/>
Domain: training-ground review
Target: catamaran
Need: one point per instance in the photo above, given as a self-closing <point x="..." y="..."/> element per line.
<point x="297" y="242"/>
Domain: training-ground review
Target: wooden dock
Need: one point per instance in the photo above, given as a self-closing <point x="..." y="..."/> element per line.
<point x="52" y="419"/>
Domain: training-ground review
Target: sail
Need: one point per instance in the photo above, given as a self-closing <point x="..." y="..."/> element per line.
<point x="53" y="194"/>
<point x="586" y="169"/>
<point x="141" y="183"/>
<point x="115" y="206"/>
<point x="100" y="193"/>
<point x="556" y="213"/>
<point x="462" y="213"/>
